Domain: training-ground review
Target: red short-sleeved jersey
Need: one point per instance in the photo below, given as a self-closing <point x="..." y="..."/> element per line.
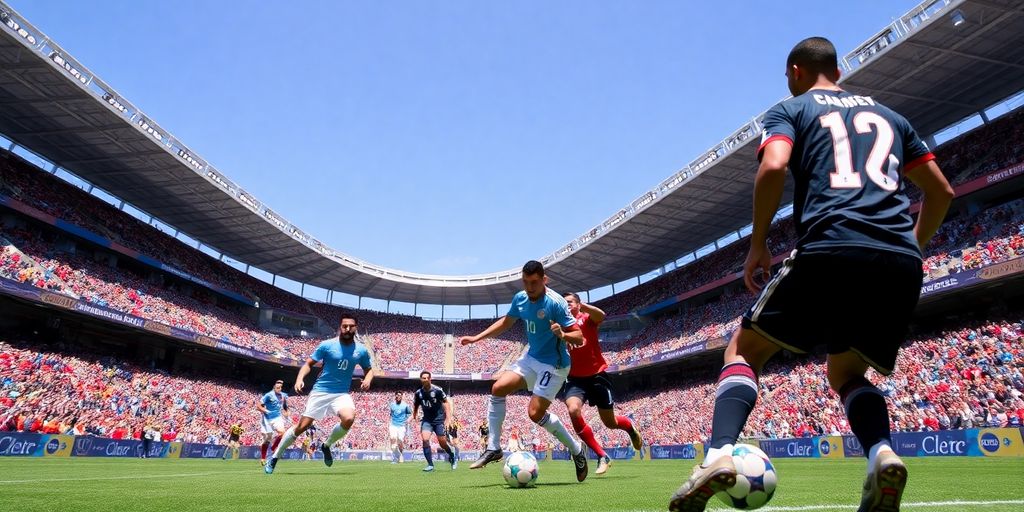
<point x="587" y="360"/>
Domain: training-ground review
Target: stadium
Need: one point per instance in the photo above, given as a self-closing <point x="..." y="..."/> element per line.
<point x="134" y="324"/>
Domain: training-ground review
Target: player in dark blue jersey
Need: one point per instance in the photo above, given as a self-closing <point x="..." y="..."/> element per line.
<point x="437" y="417"/>
<point x="855" y="277"/>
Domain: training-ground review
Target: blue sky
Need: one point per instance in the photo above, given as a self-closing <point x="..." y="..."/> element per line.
<point x="448" y="137"/>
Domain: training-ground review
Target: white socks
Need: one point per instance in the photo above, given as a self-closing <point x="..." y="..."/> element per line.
<point x="495" y="419"/>
<point x="715" y="453"/>
<point x="336" y="434"/>
<point x="552" y="424"/>
<point x="879" y="447"/>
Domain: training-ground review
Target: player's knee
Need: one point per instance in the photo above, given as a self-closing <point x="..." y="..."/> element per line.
<point x="536" y="414"/>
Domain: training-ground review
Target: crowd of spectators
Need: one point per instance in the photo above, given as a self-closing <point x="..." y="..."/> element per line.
<point x="967" y="376"/>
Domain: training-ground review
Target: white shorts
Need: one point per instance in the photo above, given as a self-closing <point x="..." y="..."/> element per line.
<point x="320" y="404"/>
<point x="272" y="426"/>
<point x="396" y="432"/>
<point x="543" y="380"/>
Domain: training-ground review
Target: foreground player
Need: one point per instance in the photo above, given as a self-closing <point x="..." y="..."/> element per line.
<point x="234" y="434"/>
<point x="437" y="417"/>
<point x="589" y="383"/>
<point x="330" y="394"/>
<point x="271" y="421"/>
<point x="542" y="369"/>
<point x="396" y="430"/>
<point x="848" y="155"/>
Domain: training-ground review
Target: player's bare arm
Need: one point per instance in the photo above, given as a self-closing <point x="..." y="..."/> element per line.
<point x="499" y="326"/>
<point x="597" y="315"/>
<point x="768" y="188"/>
<point x="938" y="194"/>
<point x="571" y="335"/>
<point x="261" y="407"/>
<point x="367" y="380"/>
<point x="448" y="418"/>
<point x="300" y="380"/>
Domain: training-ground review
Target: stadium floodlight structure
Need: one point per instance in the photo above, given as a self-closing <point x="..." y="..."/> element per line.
<point x="108" y="141"/>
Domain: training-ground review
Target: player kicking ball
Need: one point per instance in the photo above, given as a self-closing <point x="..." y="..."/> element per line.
<point x="330" y="394"/>
<point x="437" y="417"/>
<point x="849" y="156"/>
<point x="542" y="370"/>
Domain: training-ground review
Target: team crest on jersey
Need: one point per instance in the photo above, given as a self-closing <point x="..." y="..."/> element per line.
<point x="433" y="394"/>
<point x="541" y="314"/>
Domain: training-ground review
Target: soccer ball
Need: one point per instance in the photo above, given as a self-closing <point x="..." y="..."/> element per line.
<point x="520" y="469"/>
<point x="755" y="479"/>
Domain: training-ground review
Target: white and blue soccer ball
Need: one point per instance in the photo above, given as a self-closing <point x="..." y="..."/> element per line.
<point x="520" y="469"/>
<point x="755" y="479"/>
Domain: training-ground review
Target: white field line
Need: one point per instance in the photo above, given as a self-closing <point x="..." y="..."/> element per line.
<point x="125" y="477"/>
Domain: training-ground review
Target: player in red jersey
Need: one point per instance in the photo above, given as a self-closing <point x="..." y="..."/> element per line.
<point x="588" y="382"/>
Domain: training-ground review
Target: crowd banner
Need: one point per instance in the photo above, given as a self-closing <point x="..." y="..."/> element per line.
<point x="674" y="451"/>
<point x="202" y="451"/>
<point x="616" y="453"/>
<point x="89" y="446"/>
<point x="799" y="447"/>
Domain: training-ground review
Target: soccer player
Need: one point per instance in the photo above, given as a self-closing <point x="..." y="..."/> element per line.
<point x="542" y="369"/>
<point x="330" y="394"/>
<point x="589" y="383"/>
<point x="453" y="434"/>
<point x="855" y="276"/>
<point x="234" y="434"/>
<point x="483" y="434"/>
<point x="437" y="417"/>
<point x="271" y="421"/>
<point x="396" y="430"/>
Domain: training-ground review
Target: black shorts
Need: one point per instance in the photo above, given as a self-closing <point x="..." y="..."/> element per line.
<point x="233" y="438"/>
<point x="596" y="390"/>
<point x="436" y="426"/>
<point x="852" y="299"/>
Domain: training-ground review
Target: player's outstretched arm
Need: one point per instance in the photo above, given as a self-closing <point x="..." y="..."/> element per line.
<point x="367" y="379"/>
<point x="499" y="326"/>
<point x="597" y="315"/>
<point x="938" y="194"/>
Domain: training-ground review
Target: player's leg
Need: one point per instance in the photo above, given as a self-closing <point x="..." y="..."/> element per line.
<point x="268" y="436"/>
<point x="549" y="381"/>
<point x="600" y="395"/>
<point x="279" y="429"/>
<point x="345" y="409"/>
<point x="401" y="445"/>
<point x="507" y="383"/>
<point x="428" y="453"/>
<point x="288" y="439"/>
<point x="442" y="440"/>
<point x="575" y="406"/>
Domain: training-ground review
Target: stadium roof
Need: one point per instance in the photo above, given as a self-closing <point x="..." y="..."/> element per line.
<point x="941" y="62"/>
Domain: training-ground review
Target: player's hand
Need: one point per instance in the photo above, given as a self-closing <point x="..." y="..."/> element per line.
<point x="467" y="340"/>
<point x="757" y="270"/>
<point x="364" y="385"/>
<point x="556" y="329"/>
<point x="299" y="385"/>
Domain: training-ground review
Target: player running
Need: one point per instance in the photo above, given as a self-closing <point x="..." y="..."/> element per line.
<point x="848" y="155"/>
<point x="437" y="417"/>
<point x="234" y="434"/>
<point x="589" y="383"/>
<point x="453" y="434"/>
<point x="542" y="369"/>
<point x="396" y="430"/>
<point x="330" y="394"/>
<point x="271" y="420"/>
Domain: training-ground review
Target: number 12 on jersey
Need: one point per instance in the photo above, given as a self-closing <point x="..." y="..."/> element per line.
<point x="881" y="166"/>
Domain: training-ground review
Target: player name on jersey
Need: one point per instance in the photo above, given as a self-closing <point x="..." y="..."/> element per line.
<point x="845" y="101"/>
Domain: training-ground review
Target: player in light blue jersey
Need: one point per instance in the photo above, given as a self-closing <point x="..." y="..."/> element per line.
<point x="330" y="394"/>
<point x="272" y="421"/>
<point x="542" y="369"/>
<point x="400" y="413"/>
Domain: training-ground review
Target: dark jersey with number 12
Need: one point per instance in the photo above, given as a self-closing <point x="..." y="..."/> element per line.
<point x="849" y="154"/>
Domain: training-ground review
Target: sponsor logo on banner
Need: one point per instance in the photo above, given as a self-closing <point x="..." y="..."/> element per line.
<point x="852" y="447"/>
<point x="668" y="451"/>
<point x="1002" y="269"/>
<point x="830" y="446"/>
<point x="995" y="442"/>
<point x="18" y="444"/>
<point x="944" y="443"/>
<point x="157" y="327"/>
<point x="58" y="300"/>
<point x="802" y="447"/>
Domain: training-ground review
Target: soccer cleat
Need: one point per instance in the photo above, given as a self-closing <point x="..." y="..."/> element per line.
<point x="704" y="483"/>
<point x="328" y="456"/>
<point x="263" y="462"/>
<point x="883" y="487"/>
<point x="428" y="469"/>
<point x="602" y="465"/>
<point x="268" y="468"/>
<point x="580" y="460"/>
<point x="487" y="457"/>
<point x="453" y="461"/>
<point x="635" y="438"/>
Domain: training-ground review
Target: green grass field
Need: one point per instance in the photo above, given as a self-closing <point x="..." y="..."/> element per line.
<point x="132" y="485"/>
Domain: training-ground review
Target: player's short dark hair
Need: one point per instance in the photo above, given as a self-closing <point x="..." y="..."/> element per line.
<point x="574" y="295"/>
<point x="815" y="54"/>
<point x="279" y="381"/>
<point x="533" y="268"/>
<point x="427" y="373"/>
<point x="348" y="316"/>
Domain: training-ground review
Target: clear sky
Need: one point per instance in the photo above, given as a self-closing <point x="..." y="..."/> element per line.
<point x="449" y="137"/>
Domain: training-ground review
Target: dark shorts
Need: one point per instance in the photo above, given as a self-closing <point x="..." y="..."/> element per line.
<point x="436" y="426"/>
<point x="858" y="300"/>
<point x="595" y="390"/>
<point x="233" y="438"/>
